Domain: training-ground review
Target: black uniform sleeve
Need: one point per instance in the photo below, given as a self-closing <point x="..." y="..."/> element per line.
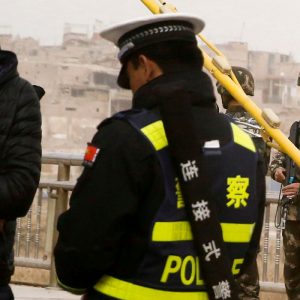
<point x="101" y="206"/>
<point x="21" y="155"/>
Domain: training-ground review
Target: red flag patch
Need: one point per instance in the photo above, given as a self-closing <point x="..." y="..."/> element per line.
<point x="90" y="155"/>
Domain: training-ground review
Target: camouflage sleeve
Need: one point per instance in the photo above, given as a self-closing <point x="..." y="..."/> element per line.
<point x="278" y="160"/>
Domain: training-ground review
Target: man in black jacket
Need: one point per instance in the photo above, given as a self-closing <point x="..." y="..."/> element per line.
<point x="20" y="158"/>
<point x="126" y="234"/>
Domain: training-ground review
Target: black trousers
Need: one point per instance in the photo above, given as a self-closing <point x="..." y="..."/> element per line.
<point x="94" y="295"/>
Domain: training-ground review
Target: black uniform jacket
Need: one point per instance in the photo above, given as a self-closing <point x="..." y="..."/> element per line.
<point x="123" y="188"/>
<point x="20" y="153"/>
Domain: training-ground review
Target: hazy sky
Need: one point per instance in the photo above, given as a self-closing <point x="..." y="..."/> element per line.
<point x="271" y="25"/>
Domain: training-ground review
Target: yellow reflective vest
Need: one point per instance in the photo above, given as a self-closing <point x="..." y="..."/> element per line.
<point x="170" y="267"/>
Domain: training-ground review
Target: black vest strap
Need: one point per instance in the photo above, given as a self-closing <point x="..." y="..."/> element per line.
<point x="185" y="150"/>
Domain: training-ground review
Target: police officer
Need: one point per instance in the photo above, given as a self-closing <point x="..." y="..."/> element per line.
<point x="291" y="232"/>
<point x="126" y="234"/>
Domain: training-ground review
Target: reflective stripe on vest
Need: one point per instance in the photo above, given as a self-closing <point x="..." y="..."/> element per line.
<point x="242" y="138"/>
<point x="121" y="289"/>
<point x="155" y="132"/>
<point x="181" y="231"/>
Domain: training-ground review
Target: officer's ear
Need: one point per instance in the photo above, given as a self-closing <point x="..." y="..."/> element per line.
<point x="149" y="67"/>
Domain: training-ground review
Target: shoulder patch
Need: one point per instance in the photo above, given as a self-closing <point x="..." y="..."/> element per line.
<point x="90" y="155"/>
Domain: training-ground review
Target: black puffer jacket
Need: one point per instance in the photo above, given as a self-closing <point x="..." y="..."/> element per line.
<point x="20" y="154"/>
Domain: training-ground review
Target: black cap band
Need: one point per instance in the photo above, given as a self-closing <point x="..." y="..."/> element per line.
<point x="152" y="34"/>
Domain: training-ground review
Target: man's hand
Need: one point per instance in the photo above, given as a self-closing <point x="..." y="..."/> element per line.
<point x="291" y="190"/>
<point x="279" y="174"/>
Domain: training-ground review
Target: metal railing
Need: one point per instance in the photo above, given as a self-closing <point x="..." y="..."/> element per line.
<point x="270" y="259"/>
<point x="36" y="233"/>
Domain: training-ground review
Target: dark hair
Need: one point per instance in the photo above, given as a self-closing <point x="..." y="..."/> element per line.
<point x="171" y="56"/>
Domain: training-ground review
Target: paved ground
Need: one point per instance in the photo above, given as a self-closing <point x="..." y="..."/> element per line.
<point x="22" y="292"/>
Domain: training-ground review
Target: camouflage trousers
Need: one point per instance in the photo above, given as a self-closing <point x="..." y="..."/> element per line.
<point x="248" y="282"/>
<point x="291" y="245"/>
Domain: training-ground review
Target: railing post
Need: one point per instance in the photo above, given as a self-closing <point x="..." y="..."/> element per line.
<point x="277" y="254"/>
<point x="61" y="204"/>
<point x="266" y="243"/>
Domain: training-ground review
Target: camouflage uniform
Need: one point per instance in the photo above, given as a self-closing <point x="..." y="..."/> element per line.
<point x="238" y="113"/>
<point x="278" y="161"/>
<point x="248" y="281"/>
<point x="291" y="236"/>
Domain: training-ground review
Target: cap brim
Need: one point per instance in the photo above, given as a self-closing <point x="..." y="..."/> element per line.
<point x="114" y="32"/>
